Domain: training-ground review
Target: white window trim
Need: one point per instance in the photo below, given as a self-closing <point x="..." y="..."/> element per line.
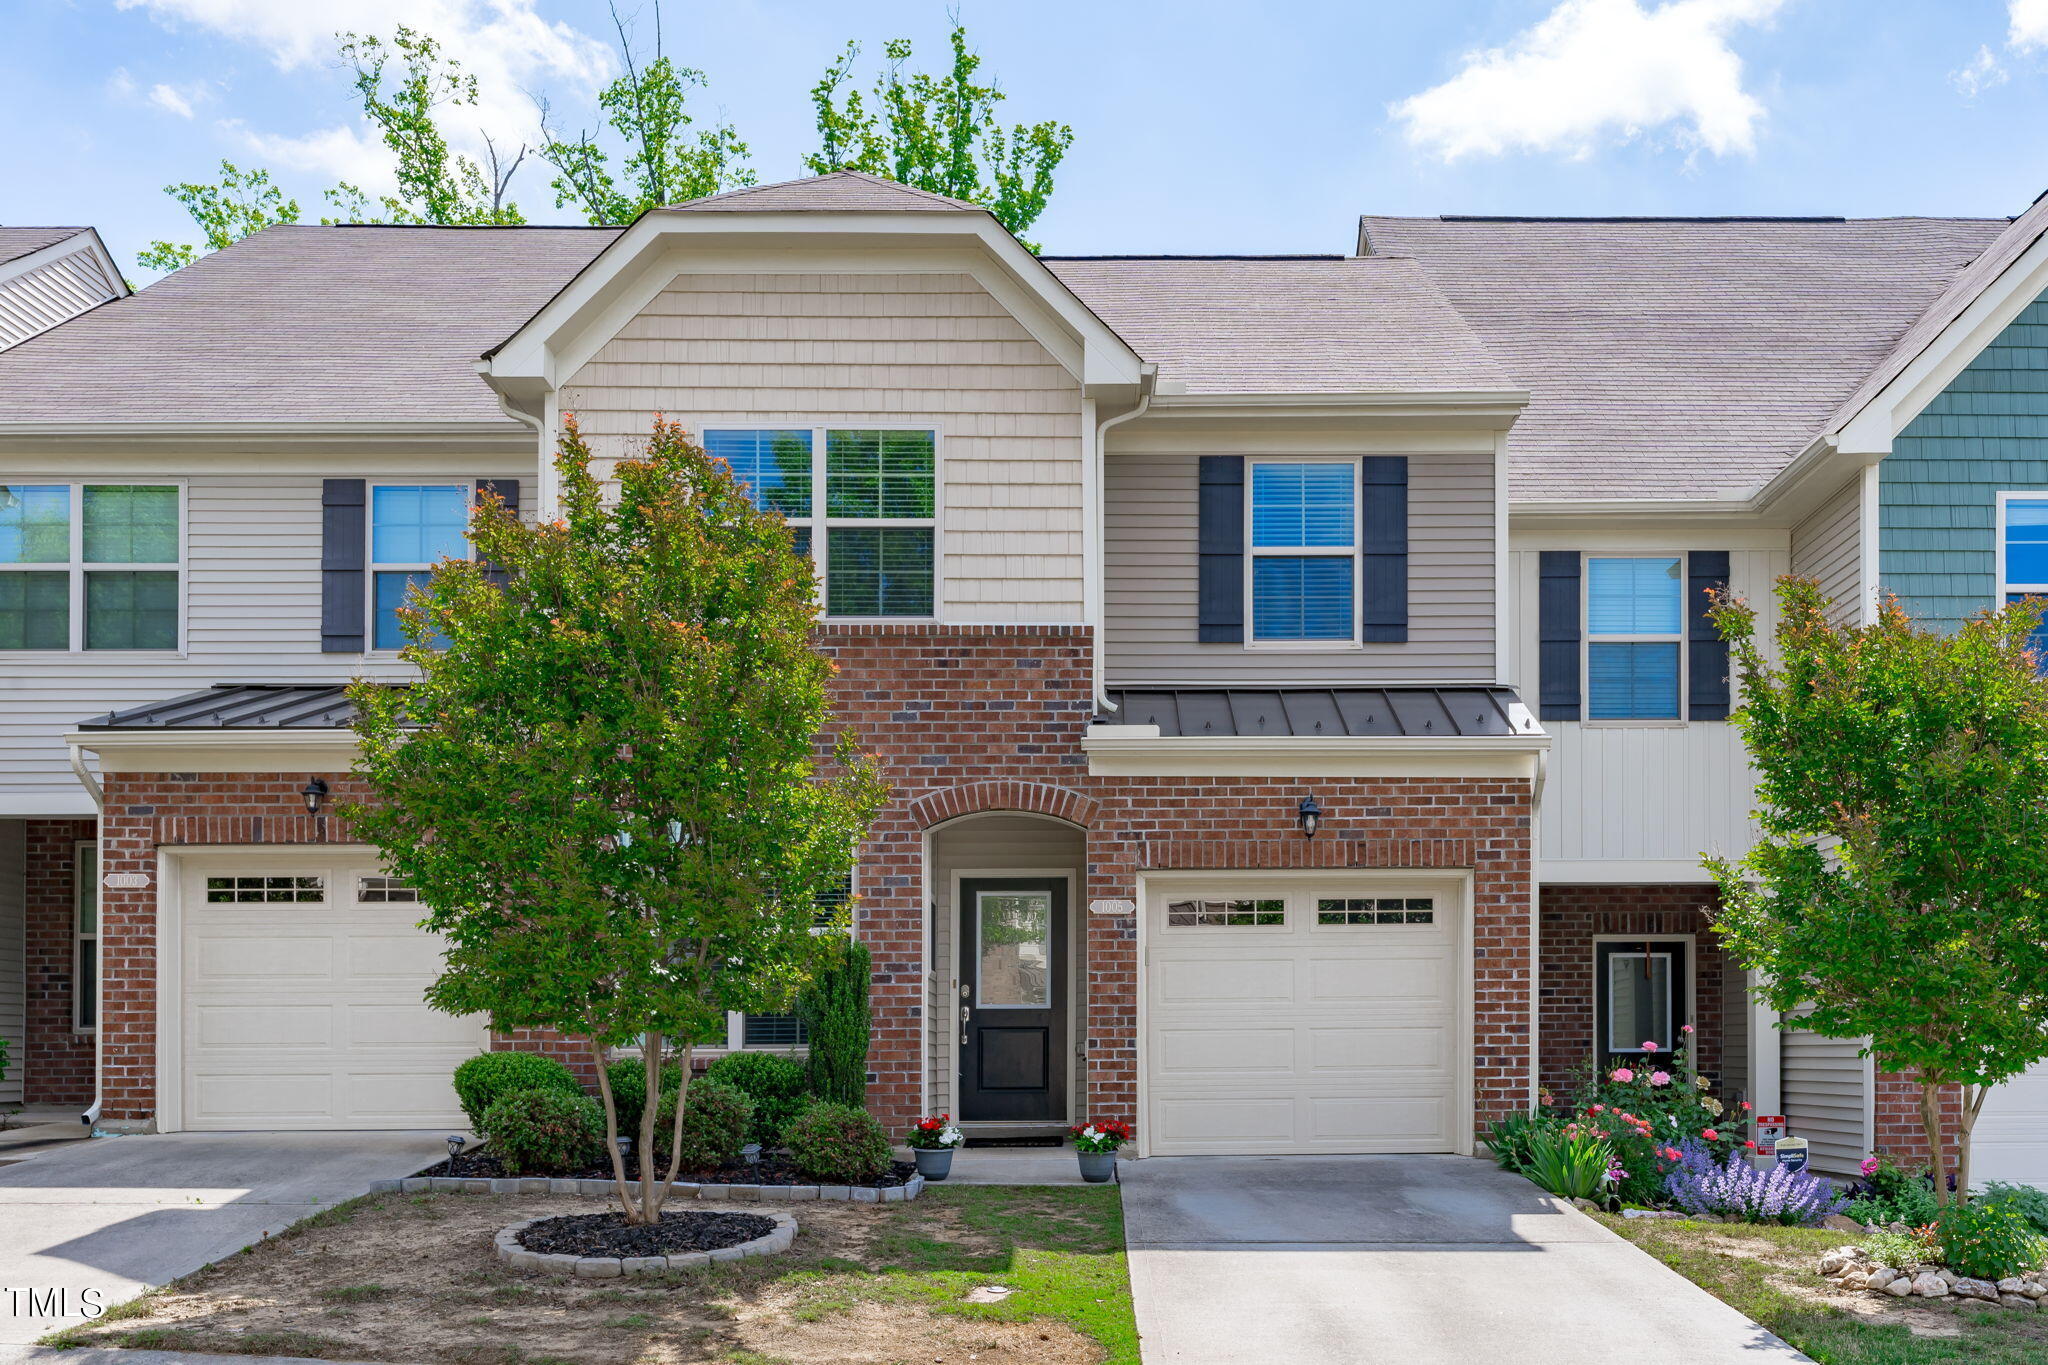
<point x="81" y="980"/>
<point x="1691" y="987"/>
<point x="372" y="566"/>
<point x="1587" y="640"/>
<point x="76" y="567"/>
<point x="2000" y="583"/>
<point x="821" y="543"/>
<point x="1253" y="552"/>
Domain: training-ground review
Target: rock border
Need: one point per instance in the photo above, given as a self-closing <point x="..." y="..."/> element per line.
<point x="604" y="1189"/>
<point x="1848" y="1267"/>
<point x="517" y="1257"/>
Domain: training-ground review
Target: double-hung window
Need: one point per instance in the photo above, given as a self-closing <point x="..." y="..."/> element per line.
<point x="412" y="528"/>
<point x="2023" y="557"/>
<point x="90" y="566"/>
<point x="861" y="503"/>
<point x="1635" y="624"/>
<point x="1303" y="565"/>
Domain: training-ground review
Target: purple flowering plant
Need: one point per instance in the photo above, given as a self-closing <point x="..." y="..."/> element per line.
<point x="1703" y="1182"/>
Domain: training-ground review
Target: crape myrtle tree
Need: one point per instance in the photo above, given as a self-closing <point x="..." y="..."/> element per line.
<point x="608" y="781"/>
<point x="1897" y="886"/>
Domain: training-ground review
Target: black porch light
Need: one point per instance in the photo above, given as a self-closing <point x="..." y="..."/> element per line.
<point x="314" y="792"/>
<point x="1309" y="816"/>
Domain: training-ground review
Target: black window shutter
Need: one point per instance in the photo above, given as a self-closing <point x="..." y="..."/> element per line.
<point x="1383" y="547"/>
<point x="344" y="564"/>
<point x="1707" y="686"/>
<point x="508" y="491"/>
<point x="1220" y="549"/>
<point x="1557" y="628"/>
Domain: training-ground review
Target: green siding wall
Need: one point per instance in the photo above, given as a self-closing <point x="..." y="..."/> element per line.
<point x="1988" y="431"/>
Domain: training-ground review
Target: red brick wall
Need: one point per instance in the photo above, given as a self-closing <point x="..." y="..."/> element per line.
<point x="56" y="1061"/>
<point x="1900" y="1132"/>
<point x="1571" y="917"/>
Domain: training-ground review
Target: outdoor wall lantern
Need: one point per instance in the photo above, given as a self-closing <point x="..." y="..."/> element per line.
<point x="1309" y="817"/>
<point x="315" y="791"/>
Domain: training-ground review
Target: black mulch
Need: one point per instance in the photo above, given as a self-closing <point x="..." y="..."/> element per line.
<point x="774" y="1168"/>
<point x="608" y="1234"/>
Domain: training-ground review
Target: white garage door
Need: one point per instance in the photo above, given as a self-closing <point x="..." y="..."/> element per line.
<point x="1304" y="1016"/>
<point x="302" y="1001"/>
<point x="2011" y="1138"/>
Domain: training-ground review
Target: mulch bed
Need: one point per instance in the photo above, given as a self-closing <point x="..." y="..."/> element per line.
<point x="609" y="1234"/>
<point x="774" y="1168"/>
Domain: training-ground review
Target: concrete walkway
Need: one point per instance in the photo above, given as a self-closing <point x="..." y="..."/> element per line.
<point x="100" y="1221"/>
<point x="1416" y="1260"/>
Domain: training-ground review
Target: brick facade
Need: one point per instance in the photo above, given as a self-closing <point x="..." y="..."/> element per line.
<point x="1572" y="917"/>
<point x="56" y="1060"/>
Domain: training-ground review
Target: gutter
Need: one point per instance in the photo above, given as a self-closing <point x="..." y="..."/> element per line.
<point x="1148" y="380"/>
<point x="84" y="774"/>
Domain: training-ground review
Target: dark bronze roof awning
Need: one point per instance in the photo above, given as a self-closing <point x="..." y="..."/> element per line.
<point x="1325" y="712"/>
<point x="239" y="706"/>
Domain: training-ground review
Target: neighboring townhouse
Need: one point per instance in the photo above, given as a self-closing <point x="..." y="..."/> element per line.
<point x="1292" y="672"/>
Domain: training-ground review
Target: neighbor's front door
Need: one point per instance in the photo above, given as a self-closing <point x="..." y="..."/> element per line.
<point x="1013" y="998"/>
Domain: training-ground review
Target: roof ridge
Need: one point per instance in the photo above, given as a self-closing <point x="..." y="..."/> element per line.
<point x="865" y="177"/>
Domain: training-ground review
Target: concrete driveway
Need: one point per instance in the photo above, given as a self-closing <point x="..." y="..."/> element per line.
<point x="114" y="1216"/>
<point x="1416" y="1260"/>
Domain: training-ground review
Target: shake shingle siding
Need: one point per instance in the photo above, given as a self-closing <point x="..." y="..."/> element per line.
<point x="1986" y="432"/>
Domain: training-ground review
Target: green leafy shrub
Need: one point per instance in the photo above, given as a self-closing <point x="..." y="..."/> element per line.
<point x="2030" y="1203"/>
<point x="1901" y="1249"/>
<point x="838" y="1144"/>
<point x="777" y="1085"/>
<point x="483" y="1079"/>
<point x="1890" y="1193"/>
<point x="545" y="1131"/>
<point x="1509" y="1137"/>
<point x="1571" y="1165"/>
<point x="628" y="1077"/>
<point x="715" y="1122"/>
<point x="834" y="1008"/>
<point x="1987" y="1241"/>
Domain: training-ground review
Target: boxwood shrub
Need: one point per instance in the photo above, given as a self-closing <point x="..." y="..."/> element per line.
<point x="837" y="1144"/>
<point x="545" y="1131"/>
<point x="776" y="1085"/>
<point x="628" y="1077"/>
<point x="484" y="1078"/>
<point x="715" y="1123"/>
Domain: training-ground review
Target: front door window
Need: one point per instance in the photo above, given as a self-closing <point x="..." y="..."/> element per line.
<point x="1016" y="949"/>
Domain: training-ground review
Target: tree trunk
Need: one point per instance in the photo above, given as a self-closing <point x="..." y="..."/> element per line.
<point x="1930" y="1119"/>
<point x="1965" y="1126"/>
<point x="611" y="1131"/>
<point x="650" y="1058"/>
<point x="675" y="1137"/>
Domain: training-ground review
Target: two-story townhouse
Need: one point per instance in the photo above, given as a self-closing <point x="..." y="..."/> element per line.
<point x="1190" y="604"/>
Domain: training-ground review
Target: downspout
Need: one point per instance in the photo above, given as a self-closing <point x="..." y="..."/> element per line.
<point x="1148" y="377"/>
<point x="545" y="470"/>
<point x="91" y="1117"/>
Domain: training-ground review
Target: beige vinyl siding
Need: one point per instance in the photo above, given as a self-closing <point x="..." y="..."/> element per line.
<point x="55" y="292"/>
<point x="1151" y="602"/>
<point x="1738" y="1074"/>
<point x="14" y="955"/>
<point x="897" y="349"/>
<point x="999" y="843"/>
<point x="252" y="614"/>
<point x="1827" y="547"/>
<point x="1826" y="1094"/>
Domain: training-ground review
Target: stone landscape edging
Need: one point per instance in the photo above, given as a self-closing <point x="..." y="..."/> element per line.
<point x="517" y="1257"/>
<point x="737" y="1194"/>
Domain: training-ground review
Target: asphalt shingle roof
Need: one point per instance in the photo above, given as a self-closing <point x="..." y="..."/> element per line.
<point x="1681" y="358"/>
<point x="841" y="191"/>
<point x="17" y="242"/>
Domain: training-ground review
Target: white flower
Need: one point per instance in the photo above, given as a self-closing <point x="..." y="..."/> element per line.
<point x="951" y="1137"/>
<point x="1091" y="1132"/>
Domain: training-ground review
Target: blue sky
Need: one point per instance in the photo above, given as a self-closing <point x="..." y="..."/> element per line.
<point x="1200" y="125"/>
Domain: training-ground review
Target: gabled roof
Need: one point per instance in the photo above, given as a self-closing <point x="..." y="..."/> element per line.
<point x="838" y="192"/>
<point x="49" y="276"/>
<point x="1263" y="325"/>
<point x="1681" y="358"/>
<point x="16" y="242"/>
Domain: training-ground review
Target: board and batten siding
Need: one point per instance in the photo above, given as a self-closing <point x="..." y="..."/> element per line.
<point x="1828" y="548"/>
<point x="1985" y="433"/>
<point x="1825" y="1090"/>
<point x="14" y="955"/>
<point x="865" y="349"/>
<point x="1151" y="593"/>
<point x="1621" y="791"/>
<point x="252" y="614"/>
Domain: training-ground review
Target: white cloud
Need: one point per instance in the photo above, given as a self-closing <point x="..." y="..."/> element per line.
<point x="2027" y="25"/>
<point x="1596" y="71"/>
<point x="1983" y="72"/>
<point x="178" y="100"/>
<point x="340" y="153"/>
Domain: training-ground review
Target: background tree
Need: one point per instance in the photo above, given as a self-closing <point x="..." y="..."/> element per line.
<point x="666" y="160"/>
<point x="938" y="133"/>
<point x="1899" y="886"/>
<point x="606" y="781"/>
<point x="243" y="202"/>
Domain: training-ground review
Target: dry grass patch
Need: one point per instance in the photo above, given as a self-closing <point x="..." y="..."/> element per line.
<point x="413" y="1278"/>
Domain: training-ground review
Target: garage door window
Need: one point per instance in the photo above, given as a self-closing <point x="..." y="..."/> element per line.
<point x="1233" y="914"/>
<point x="265" y="890"/>
<point x="1377" y="910"/>
<point x="385" y="891"/>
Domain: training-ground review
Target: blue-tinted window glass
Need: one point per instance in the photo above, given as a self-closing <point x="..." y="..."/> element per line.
<point x="392" y="589"/>
<point x="418" y="523"/>
<point x="1634" y="597"/>
<point x="1631" y="681"/>
<point x="2026" y="540"/>
<point x="1303" y="506"/>
<point x="35" y="523"/>
<point x="2039" y="637"/>
<point x="774" y="465"/>
<point x="1301" y="598"/>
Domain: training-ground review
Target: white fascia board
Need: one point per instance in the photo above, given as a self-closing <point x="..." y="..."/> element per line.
<point x="220" y="751"/>
<point x="1489" y="407"/>
<point x="1117" y="755"/>
<point x="545" y="347"/>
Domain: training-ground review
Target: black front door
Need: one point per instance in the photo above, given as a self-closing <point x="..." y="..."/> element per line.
<point x="1013" y="998"/>
<point x="1642" y="994"/>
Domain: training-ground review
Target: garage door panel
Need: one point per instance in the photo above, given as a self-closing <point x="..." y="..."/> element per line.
<point x="411" y="1027"/>
<point x="1400" y="1122"/>
<point x="274" y="1099"/>
<point x="1208" y="981"/>
<point x="1202" y="1051"/>
<point x="262" y="1027"/>
<point x="2010" y="1141"/>
<point x="1225" y="1123"/>
<point x="1379" y="1049"/>
<point x="396" y="1098"/>
<point x="392" y="959"/>
<point x="242" y="955"/>
<point x="1402" y="976"/>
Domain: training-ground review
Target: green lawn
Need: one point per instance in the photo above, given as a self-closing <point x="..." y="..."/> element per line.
<point x="1768" y="1273"/>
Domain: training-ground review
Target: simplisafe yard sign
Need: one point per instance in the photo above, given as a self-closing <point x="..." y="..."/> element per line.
<point x="1792" y="1153"/>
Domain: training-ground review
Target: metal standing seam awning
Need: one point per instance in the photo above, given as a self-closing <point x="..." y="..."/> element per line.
<point x="1325" y="712"/>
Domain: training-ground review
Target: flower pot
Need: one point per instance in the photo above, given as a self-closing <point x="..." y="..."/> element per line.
<point x="1097" y="1167"/>
<point x="933" y="1163"/>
